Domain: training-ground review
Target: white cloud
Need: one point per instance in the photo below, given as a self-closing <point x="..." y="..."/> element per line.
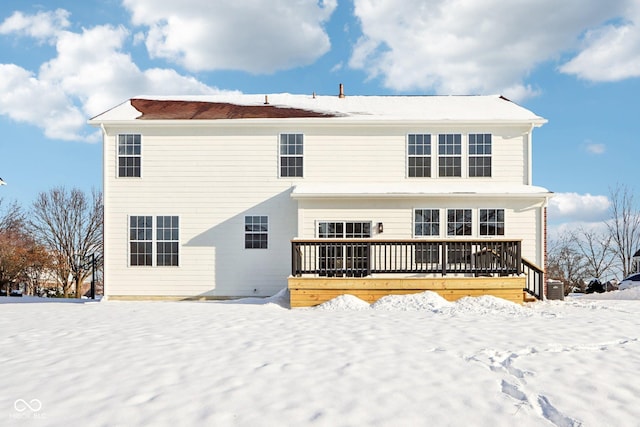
<point x="458" y="46"/>
<point x="595" y="148"/>
<point x="610" y="52"/>
<point x="89" y="74"/>
<point x="258" y="36"/>
<point x="41" y="26"/>
<point x="574" y="207"/>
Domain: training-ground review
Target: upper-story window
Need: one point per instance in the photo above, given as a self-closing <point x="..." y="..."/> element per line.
<point x="256" y="232"/>
<point x="129" y="155"/>
<point x="491" y="222"/>
<point x="479" y="154"/>
<point x="419" y="155"/>
<point x="450" y="154"/>
<point x="291" y="154"/>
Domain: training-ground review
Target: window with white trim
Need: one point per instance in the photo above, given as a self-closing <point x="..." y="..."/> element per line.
<point x="140" y="240"/>
<point x="450" y="154"/>
<point x="143" y="240"/>
<point x="256" y="232"/>
<point x="344" y="229"/>
<point x="291" y="154"/>
<point x="129" y="155"/>
<point x="491" y="222"/>
<point x="479" y="154"/>
<point x="459" y="222"/>
<point x="426" y="222"/>
<point x="167" y="228"/>
<point x="419" y="155"/>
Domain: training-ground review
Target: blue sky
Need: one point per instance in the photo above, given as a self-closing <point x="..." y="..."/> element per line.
<point x="576" y="63"/>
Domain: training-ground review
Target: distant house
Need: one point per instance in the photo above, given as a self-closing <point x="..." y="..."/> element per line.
<point x="243" y="195"/>
<point x="635" y="262"/>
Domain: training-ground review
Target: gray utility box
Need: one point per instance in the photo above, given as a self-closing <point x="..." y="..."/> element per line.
<point x="555" y="289"/>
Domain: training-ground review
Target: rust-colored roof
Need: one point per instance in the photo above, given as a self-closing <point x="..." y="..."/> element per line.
<point x="196" y="110"/>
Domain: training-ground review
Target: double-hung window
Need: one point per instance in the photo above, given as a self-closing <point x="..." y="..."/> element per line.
<point x="419" y="155"/>
<point x="167" y="228"/>
<point x="291" y="154"/>
<point x="149" y="236"/>
<point x="129" y="155"/>
<point x="256" y="232"/>
<point x="479" y="154"/>
<point x="491" y="222"/>
<point x="141" y="240"/>
<point x="450" y="154"/>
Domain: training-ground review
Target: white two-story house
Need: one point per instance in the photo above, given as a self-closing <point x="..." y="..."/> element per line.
<point x="244" y="195"/>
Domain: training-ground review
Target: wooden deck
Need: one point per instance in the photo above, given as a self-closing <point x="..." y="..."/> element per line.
<point x="310" y="291"/>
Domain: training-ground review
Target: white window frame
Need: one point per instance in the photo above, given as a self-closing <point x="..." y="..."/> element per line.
<point x="471" y="223"/>
<point x="495" y="223"/>
<point x="288" y="155"/>
<point x="256" y="232"/>
<point x="154" y="241"/>
<point x="442" y="156"/>
<point x="416" y="235"/>
<point x="127" y="155"/>
<point x="483" y="155"/>
<point x="423" y="156"/>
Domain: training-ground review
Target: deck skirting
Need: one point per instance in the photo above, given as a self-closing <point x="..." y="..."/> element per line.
<point x="310" y="291"/>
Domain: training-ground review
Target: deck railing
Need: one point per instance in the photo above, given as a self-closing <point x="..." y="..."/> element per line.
<point x="363" y="257"/>
<point x="535" y="279"/>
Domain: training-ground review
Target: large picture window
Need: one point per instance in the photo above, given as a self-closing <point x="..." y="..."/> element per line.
<point x="419" y="155"/>
<point x="450" y="154"/>
<point x="491" y="222"/>
<point x="129" y="155"/>
<point x="291" y="154"/>
<point x="256" y="232"/>
<point x="479" y="154"/>
<point x="144" y="235"/>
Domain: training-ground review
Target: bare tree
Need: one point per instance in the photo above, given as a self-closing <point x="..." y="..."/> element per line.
<point x="565" y="262"/>
<point x="624" y="226"/>
<point x="596" y="250"/>
<point x="70" y="225"/>
<point x="11" y="216"/>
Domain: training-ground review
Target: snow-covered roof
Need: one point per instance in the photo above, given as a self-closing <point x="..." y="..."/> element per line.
<point x="472" y="109"/>
<point x="435" y="188"/>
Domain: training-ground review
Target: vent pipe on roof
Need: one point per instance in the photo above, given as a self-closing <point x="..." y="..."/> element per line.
<point x="266" y="100"/>
<point x="341" y="94"/>
<point x="314" y="94"/>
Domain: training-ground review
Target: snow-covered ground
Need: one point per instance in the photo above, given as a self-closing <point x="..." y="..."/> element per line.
<point x="404" y="361"/>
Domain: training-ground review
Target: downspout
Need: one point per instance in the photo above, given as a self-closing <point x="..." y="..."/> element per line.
<point x="104" y="209"/>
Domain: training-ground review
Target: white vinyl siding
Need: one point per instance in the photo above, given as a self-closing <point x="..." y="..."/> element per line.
<point x="222" y="173"/>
